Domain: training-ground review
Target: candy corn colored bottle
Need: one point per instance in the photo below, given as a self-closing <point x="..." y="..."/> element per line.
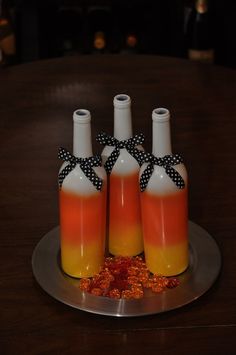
<point x="164" y="205"/>
<point x="125" y="232"/>
<point x="82" y="206"/>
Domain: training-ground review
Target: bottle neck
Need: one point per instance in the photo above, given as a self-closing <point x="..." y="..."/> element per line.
<point x="161" y="137"/>
<point x="122" y="117"/>
<point x="99" y="41"/>
<point x="82" y="142"/>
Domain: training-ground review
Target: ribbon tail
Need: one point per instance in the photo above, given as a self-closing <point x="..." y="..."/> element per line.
<point x="145" y="177"/>
<point x="63" y="154"/>
<point x="64" y="173"/>
<point x="175" y="177"/>
<point x="92" y="176"/>
<point x="138" y="155"/>
<point x="111" y="160"/>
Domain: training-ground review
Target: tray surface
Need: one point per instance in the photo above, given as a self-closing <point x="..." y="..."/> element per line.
<point x="204" y="267"/>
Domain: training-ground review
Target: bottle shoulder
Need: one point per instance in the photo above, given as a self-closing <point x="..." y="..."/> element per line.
<point x="78" y="183"/>
<point x="160" y="183"/>
<point x="125" y="163"/>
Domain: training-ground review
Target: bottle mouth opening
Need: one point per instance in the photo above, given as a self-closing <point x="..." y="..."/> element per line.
<point x="161" y="111"/>
<point x="122" y="97"/>
<point x="160" y="114"/>
<point x="81" y="116"/>
<point x="122" y="100"/>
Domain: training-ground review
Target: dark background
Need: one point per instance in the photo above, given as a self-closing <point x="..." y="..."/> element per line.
<point x="160" y="25"/>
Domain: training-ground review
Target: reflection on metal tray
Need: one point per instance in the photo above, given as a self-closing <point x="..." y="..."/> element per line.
<point x="204" y="267"/>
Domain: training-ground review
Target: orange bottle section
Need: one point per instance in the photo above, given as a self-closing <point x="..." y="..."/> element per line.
<point x="82" y="223"/>
<point x="165" y="232"/>
<point x="125" y="229"/>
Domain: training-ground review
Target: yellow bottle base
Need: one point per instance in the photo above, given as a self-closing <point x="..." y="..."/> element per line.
<point x="167" y="261"/>
<point x="83" y="261"/>
<point x="127" y="242"/>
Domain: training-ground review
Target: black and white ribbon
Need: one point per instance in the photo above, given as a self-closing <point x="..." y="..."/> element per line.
<point x="86" y="165"/>
<point x="128" y="144"/>
<point x="167" y="162"/>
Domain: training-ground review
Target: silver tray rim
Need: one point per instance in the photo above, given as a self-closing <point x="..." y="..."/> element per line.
<point x="204" y="268"/>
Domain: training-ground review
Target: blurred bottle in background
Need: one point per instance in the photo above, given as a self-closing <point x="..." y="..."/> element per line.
<point x="7" y="36"/>
<point x="98" y="29"/>
<point x="199" y="33"/>
<point x="131" y="26"/>
<point x="70" y="28"/>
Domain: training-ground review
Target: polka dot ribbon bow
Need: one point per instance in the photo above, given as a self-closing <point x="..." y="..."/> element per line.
<point x="166" y="162"/>
<point x="86" y="165"/>
<point x="128" y="144"/>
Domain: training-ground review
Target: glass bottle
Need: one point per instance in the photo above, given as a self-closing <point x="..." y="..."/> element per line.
<point x="164" y="205"/>
<point x="199" y="33"/>
<point x="71" y="29"/>
<point x="82" y="207"/>
<point x="7" y="36"/>
<point x="99" y="28"/>
<point x="125" y="232"/>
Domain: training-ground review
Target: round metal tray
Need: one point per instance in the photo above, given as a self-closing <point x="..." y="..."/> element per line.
<point x="204" y="267"/>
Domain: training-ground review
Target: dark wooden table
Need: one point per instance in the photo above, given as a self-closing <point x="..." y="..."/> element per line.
<point x="36" y="105"/>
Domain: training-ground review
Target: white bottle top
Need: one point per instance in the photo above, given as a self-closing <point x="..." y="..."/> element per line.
<point x="82" y="143"/>
<point x="125" y="164"/>
<point x="76" y="181"/>
<point x="160" y="183"/>
<point x="122" y="117"/>
<point x="161" y="137"/>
